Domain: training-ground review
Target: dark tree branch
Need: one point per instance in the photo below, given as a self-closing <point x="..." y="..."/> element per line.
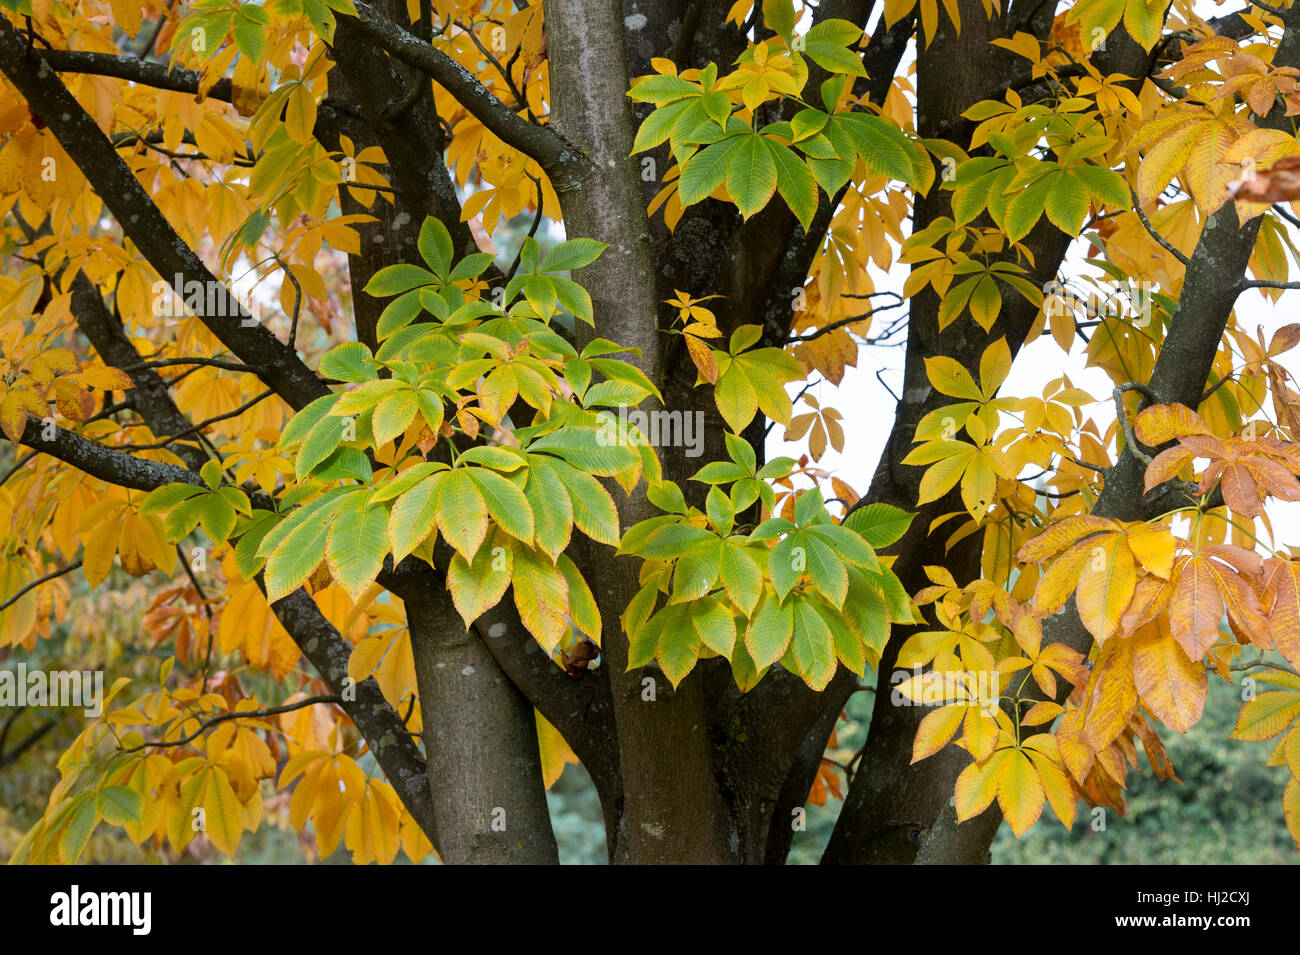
<point x="542" y="143"/>
<point x="225" y="717"/>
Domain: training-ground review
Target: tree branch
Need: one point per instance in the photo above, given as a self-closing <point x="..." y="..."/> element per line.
<point x="558" y="158"/>
<point x="224" y="717"/>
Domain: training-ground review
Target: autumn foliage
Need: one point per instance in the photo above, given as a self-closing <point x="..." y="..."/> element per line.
<point x="274" y="342"/>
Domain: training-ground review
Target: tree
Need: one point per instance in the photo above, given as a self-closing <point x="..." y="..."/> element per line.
<point x="421" y="523"/>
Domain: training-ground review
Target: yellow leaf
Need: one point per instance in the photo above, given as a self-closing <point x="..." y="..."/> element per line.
<point x="1020" y="793"/>
<point x="936" y="729"/>
<point x="555" y="752"/>
<point x="542" y="596"/>
<point x="1153" y="545"/>
<point x="977" y="785"/>
<point x="1170" y="684"/>
<point x="1110" y="694"/>
<point x="1056" y="784"/>
<point x="1106" y="584"/>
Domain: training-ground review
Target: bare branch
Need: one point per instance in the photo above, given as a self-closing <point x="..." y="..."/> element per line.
<point x="225" y="717"/>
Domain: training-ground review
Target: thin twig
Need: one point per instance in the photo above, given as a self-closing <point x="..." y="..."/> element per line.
<point x="1121" y="416"/>
<point x="38" y="581"/>
<point x="254" y="714"/>
<point x="1146" y="224"/>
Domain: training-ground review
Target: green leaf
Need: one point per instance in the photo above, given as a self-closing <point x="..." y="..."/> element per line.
<point x="720" y="511"/>
<point x="247" y="562"/>
<point x="435" y="245"/>
<point x="119" y="805"/>
<point x="751" y="174"/>
<point x="462" y="513"/>
<point x="582" y="603"/>
<point x="319" y="444"/>
<point x="866" y="613"/>
<point x="551" y="505"/>
<point x="413" y="516"/>
<point x="344" y="463"/>
<point x="741" y="576"/>
<point x="76" y="836"/>
<point x="1067" y="203"/>
<point x="398" y="314"/>
<point x="794" y="181"/>
<point x="880" y="143"/>
<point x="811" y="645"/>
<point x="506" y="504"/>
<point x="393" y="415"/>
<point x="295" y="557"/>
<point x="395" y="279"/>
<point x="679" y="648"/>
<point x="719" y="472"/>
<point x="662" y="88"/>
<point x="594" y="511"/>
<point x="357" y="542"/>
<point x="704" y="172"/>
<point x="828" y="43"/>
<point x="769" y="632"/>
<point x="667" y="496"/>
<point x="669" y="541"/>
<point x="573" y="254"/>
<point x="697" y="572"/>
<point x="348" y="362"/>
<point x="809" y="507"/>
<point x="162" y="499"/>
<point x="715" y="627"/>
<point x="787" y="562"/>
<point x="575" y="298"/>
<point x="249" y="29"/>
<point x="588" y="450"/>
<point x="736" y="397"/>
<point x="848" y="647"/>
<point x="779" y="16"/>
<point x="827" y="571"/>
<point x="879" y="524"/>
<point x="847" y="545"/>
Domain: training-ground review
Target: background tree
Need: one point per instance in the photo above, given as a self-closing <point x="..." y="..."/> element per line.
<point x="408" y="552"/>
